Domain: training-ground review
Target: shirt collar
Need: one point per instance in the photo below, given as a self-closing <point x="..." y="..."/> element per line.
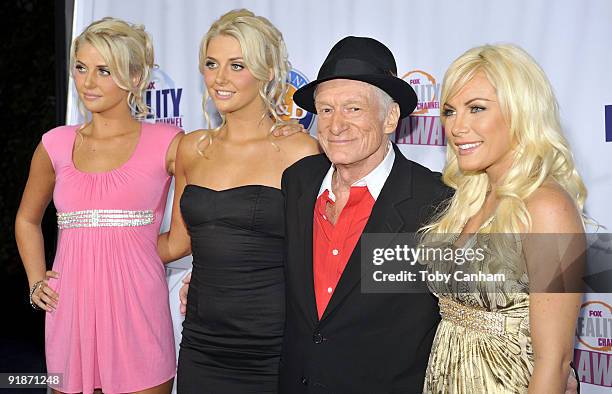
<point x="374" y="181"/>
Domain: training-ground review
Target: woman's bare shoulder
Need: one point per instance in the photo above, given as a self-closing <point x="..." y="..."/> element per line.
<point x="552" y="210"/>
<point x="298" y="145"/>
<point x="194" y="142"/>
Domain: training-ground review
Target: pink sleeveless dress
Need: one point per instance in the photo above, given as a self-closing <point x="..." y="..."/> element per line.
<point x="112" y="328"/>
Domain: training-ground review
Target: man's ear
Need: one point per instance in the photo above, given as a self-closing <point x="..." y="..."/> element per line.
<point x="392" y="118"/>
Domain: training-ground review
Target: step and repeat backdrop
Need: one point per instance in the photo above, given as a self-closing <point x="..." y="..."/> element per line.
<point x="571" y="40"/>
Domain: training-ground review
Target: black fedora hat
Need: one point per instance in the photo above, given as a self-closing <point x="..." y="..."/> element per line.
<point x="361" y="59"/>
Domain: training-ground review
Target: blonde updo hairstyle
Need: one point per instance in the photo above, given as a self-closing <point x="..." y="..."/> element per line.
<point x="541" y="152"/>
<point x="127" y="50"/>
<point x="263" y="50"/>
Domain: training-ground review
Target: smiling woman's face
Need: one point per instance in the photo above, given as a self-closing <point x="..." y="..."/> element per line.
<point x="476" y="129"/>
<point x="230" y="83"/>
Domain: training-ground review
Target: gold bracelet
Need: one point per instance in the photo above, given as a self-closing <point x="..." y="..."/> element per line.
<point x="34" y="287"/>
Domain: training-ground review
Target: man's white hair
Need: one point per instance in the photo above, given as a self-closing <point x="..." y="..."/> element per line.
<point x="384" y="101"/>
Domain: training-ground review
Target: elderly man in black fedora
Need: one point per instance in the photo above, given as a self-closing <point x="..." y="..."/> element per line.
<point x="337" y="338"/>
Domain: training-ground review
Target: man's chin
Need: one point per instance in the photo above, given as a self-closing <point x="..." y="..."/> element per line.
<point x="340" y="159"/>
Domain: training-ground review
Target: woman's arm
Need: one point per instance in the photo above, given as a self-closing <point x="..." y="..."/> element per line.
<point x="176" y="243"/>
<point x="553" y="248"/>
<point x="34" y="201"/>
<point x="171" y="153"/>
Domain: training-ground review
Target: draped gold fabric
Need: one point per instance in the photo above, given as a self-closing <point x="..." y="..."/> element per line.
<point x="483" y="343"/>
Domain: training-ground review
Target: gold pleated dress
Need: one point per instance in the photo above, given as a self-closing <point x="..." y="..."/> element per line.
<point x="483" y="342"/>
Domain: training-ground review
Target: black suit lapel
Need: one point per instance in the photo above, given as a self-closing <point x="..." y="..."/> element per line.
<point x="386" y="217"/>
<point x="306" y="203"/>
<point x="305" y="206"/>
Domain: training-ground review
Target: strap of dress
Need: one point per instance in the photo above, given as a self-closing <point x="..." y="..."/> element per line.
<point x="154" y="144"/>
<point x="58" y="143"/>
<point x="487" y="223"/>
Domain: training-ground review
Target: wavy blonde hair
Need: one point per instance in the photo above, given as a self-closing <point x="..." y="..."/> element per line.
<point x="542" y="152"/>
<point x="127" y="50"/>
<point x="263" y="50"/>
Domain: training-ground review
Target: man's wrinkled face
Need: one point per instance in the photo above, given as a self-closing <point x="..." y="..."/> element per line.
<point x="351" y="129"/>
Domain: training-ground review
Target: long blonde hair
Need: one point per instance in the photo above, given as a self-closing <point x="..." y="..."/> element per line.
<point x="264" y="51"/>
<point x="127" y="50"/>
<point x="541" y="151"/>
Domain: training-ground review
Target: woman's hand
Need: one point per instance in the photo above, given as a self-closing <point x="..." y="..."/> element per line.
<point x="289" y="129"/>
<point x="183" y="293"/>
<point x="44" y="296"/>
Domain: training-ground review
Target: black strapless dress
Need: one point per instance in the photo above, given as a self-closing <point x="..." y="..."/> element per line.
<point x="235" y="317"/>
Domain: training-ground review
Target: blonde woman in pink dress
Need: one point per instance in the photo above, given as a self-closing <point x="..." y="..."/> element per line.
<point x="108" y="323"/>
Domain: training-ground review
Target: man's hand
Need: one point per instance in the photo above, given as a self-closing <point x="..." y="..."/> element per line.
<point x="183" y="293"/>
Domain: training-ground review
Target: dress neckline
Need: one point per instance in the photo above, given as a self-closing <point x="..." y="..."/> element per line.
<point x="121" y="166"/>
<point x="470" y="236"/>
<point x="233" y="188"/>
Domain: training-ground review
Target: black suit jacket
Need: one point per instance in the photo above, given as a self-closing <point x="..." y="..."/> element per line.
<point x="364" y="343"/>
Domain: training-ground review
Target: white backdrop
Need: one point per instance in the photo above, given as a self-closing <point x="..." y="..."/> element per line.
<point x="571" y="39"/>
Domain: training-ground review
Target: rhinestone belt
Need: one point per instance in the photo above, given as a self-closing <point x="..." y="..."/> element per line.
<point x="104" y="218"/>
<point x="472" y="318"/>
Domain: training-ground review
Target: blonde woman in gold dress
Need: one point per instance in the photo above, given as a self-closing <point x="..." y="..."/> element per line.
<point x="514" y="178"/>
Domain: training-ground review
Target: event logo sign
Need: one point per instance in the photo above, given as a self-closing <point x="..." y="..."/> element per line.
<point x="594" y="328"/>
<point x="290" y="110"/>
<point x="164" y="99"/>
<point x="423" y="127"/>
<point x="594" y="331"/>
